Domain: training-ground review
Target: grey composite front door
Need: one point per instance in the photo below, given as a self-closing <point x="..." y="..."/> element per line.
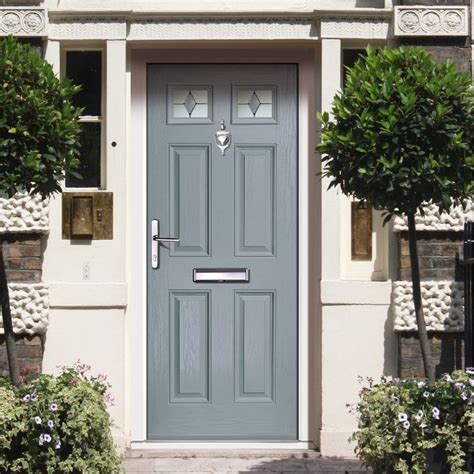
<point x="222" y="355"/>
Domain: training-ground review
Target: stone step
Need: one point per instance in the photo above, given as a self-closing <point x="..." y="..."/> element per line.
<point x="234" y="462"/>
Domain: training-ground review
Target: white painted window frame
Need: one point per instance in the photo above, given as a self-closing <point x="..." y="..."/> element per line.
<point x="377" y="268"/>
<point x="80" y="46"/>
<point x="308" y="262"/>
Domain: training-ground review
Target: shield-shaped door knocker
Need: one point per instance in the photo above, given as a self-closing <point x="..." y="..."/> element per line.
<point x="223" y="138"/>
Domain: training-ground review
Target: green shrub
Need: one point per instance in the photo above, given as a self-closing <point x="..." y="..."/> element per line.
<point x="58" y="424"/>
<point x="39" y="129"/>
<point x="400" y="421"/>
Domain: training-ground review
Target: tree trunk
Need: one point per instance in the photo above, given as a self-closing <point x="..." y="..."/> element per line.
<point x="7" y="323"/>
<point x="420" y="317"/>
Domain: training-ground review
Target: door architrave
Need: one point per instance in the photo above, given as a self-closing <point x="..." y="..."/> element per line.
<point x="309" y="310"/>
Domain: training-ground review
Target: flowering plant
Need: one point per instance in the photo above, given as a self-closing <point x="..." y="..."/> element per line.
<point x="400" y="421"/>
<point x="61" y="424"/>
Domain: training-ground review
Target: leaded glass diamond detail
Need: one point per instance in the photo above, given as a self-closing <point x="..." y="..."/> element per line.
<point x="190" y="103"/>
<point x="256" y="103"/>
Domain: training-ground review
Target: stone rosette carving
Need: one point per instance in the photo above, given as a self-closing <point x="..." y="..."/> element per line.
<point x="24" y="213"/>
<point x="443" y="304"/>
<point x="434" y="220"/>
<point x="29" y="304"/>
<point x="23" y="21"/>
<point x="431" y="21"/>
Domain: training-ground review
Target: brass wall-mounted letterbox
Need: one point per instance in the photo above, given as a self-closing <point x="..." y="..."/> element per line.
<point x="88" y="215"/>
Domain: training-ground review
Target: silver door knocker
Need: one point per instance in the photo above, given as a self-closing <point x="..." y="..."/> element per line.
<point x="223" y="138"/>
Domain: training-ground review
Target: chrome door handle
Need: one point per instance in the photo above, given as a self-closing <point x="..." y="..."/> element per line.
<point x="155" y="242"/>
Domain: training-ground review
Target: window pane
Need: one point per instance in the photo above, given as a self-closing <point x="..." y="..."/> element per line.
<point x="349" y="58"/>
<point x="89" y="168"/>
<point x="84" y="68"/>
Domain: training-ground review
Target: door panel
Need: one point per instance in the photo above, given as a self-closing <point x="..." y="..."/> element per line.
<point x="189" y="199"/>
<point x="222" y="357"/>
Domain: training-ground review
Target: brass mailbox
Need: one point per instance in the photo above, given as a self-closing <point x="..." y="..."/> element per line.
<point x="88" y="215"/>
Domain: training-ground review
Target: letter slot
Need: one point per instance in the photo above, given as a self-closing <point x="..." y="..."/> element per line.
<point x="221" y="275"/>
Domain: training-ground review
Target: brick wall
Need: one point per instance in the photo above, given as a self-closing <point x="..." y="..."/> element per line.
<point x="30" y="355"/>
<point x="23" y="257"/>
<point x="437" y="250"/>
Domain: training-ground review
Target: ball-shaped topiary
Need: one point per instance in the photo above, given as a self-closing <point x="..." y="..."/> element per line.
<point x="402" y="133"/>
<point x="38" y="124"/>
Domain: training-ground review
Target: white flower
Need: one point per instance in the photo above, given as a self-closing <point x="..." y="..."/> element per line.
<point x="53" y="407"/>
<point x="37" y="420"/>
<point x="470" y="370"/>
<point x="34" y="397"/>
<point x="419" y="415"/>
<point x="471" y="382"/>
<point x="27" y="398"/>
<point x="58" y="444"/>
<point x="459" y="385"/>
<point x="402" y="417"/>
<point x="46" y="437"/>
<point x="41" y="440"/>
<point x="436" y="413"/>
<point x="394" y="399"/>
<point x="50" y="423"/>
<point x="423" y="426"/>
<point x="464" y="395"/>
<point x="447" y="377"/>
<point x="426" y="394"/>
<point x="406" y="424"/>
<point x="421" y="384"/>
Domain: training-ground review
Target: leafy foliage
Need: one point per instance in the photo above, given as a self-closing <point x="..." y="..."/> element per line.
<point x="402" y="133"/>
<point x="57" y="425"/>
<point x="401" y="420"/>
<point x="38" y="124"/>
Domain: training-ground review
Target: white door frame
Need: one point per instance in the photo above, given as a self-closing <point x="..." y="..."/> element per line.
<point x="309" y="396"/>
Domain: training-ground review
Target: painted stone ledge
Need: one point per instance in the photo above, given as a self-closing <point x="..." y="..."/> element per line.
<point x="30" y="308"/>
<point x="24" y="214"/>
<point x="443" y="304"/>
<point x="434" y="220"/>
<point x="21" y="21"/>
<point x="431" y="21"/>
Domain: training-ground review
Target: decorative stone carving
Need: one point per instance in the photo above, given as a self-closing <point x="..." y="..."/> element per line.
<point x="95" y="28"/>
<point x="24" y="213"/>
<point x="443" y="304"/>
<point x="238" y="29"/>
<point x="355" y="27"/>
<point x="29" y="304"/>
<point x="21" y="21"/>
<point x="436" y="220"/>
<point x="431" y="21"/>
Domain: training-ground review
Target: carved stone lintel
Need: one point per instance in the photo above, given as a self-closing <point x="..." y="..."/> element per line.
<point x="434" y="220"/>
<point x="24" y="214"/>
<point x="23" y="21"/>
<point x="443" y="305"/>
<point x="431" y="21"/>
<point x="30" y="308"/>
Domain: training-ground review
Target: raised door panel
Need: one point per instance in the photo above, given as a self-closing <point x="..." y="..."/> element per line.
<point x="255" y="204"/>
<point x="254" y="346"/>
<point x="189" y="347"/>
<point x="189" y="199"/>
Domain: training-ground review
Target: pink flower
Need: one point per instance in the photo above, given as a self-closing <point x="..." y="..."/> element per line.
<point x="109" y="399"/>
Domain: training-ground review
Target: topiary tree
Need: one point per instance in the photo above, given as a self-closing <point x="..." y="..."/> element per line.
<point x="38" y="141"/>
<point x="402" y="136"/>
